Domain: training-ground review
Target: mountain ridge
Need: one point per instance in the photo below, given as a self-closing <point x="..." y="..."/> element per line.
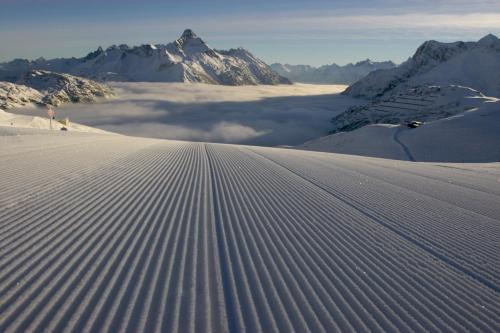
<point x="39" y="87"/>
<point x="187" y="59"/>
<point x="448" y="87"/>
<point x="469" y="64"/>
<point x="332" y="73"/>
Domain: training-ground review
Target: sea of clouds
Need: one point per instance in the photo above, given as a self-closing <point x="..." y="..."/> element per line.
<point x="255" y="115"/>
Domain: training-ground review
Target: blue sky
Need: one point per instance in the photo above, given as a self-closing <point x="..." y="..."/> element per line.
<point x="312" y="32"/>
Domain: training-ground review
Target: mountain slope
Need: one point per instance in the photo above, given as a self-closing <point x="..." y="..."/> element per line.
<point x="188" y="59"/>
<point x="14" y="95"/>
<point x="332" y="74"/>
<point x="14" y="124"/>
<point x="423" y="103"/>
<point x="60" y="88"/>
<point x="440" y="81"/>
<point x="38" y="87"/>
<point x="471" y="136"/>
<point x="471" y="64"/>
<point x="112" y="233"/>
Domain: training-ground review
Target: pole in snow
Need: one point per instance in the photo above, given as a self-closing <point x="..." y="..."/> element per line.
<point x="51" y="114"/>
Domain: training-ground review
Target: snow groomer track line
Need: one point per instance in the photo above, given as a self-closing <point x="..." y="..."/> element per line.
<point x="111" y="233"/>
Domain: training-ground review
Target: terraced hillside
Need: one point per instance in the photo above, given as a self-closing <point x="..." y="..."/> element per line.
<point x="110" y="233"/>
<point x="424" y="103"/>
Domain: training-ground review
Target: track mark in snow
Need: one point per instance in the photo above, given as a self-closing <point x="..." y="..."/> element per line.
<point x="364" y="210"/>
<point x="404" y="146"/>
<point x="186" y="237"/>
<point x="227" y="287"/>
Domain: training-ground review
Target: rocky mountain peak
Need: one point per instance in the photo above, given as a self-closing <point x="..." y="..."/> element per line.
<point x="188" y="34"/>
<point x="439" y="64"/>
<point x="433" y="50"/>
<point x="187" y="59"/>
<point x="367" y="61"/>
<point x="191" y="43"/>
<point x="489" y="40"/>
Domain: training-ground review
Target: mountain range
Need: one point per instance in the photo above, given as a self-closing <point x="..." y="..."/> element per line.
<point x="470" y="64"/>
<point x="330" y="74"/>
<point x="438" y="81"/>
<point x="452" y="89"/>
<point x="187" y="59"/>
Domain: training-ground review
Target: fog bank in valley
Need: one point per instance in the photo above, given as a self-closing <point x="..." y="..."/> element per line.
<point x="257" y="115"/>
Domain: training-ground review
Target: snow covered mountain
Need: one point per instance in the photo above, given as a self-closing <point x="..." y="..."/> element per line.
<point x="14" y="95"/>
<point x="472" y="136"/>
<point x="44" y="87"/>
<point x="188" y="59"/>
<point x="424" y="103"/>
<point x="333" y="73"/>
<point x="60" y="88"/>
<point x="470" y="64"/>
<point x="441" y="83"/>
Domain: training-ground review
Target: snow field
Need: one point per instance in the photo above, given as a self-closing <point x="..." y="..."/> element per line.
<point x="110" y="233"/>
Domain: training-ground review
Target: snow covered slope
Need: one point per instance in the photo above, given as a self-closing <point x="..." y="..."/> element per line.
<point x="11" y="123"/>
<point x="472" y="136"/>
<point x="471" y="64"/>
<point x="331" y="74"/>
<point x="37" y="87"/>
<point x="440" y="81"/>
<point x="188" y="59"/>
<point x="424" y="103"/>
<point x="110" y="233"/>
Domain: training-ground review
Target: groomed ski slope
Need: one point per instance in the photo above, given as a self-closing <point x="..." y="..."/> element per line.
<point x="117" y="234"/>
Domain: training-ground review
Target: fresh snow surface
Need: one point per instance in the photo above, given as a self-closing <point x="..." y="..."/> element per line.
<point x="471" y="136"/>
<point x="11" y="123"/>
<point x="371" y="140"/>
<point x="112" y="233"/>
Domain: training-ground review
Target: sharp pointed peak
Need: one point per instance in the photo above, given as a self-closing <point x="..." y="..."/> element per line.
<point x="188" y="34"/>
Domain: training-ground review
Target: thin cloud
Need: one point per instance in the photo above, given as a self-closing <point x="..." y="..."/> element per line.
<point x="283" y="23"/>
<point x="331" y="32"/>
<point x="59" y="38"/>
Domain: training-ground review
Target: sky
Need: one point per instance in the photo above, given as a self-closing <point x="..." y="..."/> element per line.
<point x="314" y="32"/>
